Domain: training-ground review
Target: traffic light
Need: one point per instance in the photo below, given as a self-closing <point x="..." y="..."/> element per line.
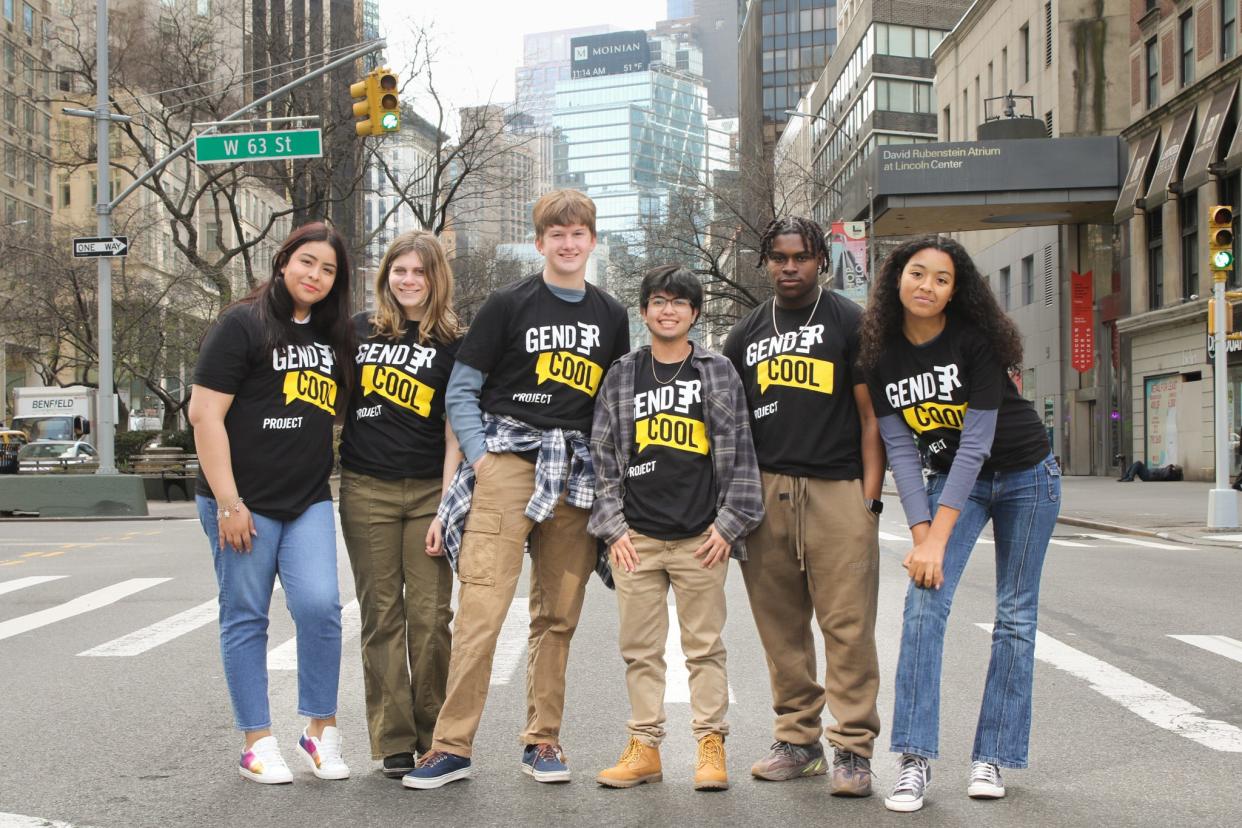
<point x="376" y="102"/>
<point x="1220" y="237"/>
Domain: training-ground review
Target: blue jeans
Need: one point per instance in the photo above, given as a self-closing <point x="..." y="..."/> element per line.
<point x="303" y="553"/>
<point x="1023" y="507"/>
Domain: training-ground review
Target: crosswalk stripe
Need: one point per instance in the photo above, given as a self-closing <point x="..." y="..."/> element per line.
<point x="23" y="821"/>
<point x="1157" y="706"/>
<point x="676" y="675"/>
<point x="889" y="536"/>
<point x="511" y="645"/>
<point x="161" y="632"/>
<point x="77" y="606"/>
<point x="1059" y="542"/>
<point x="1138" y="542"/>
<point x="285" y="657"/>
<point x="22" y="583"/>
<point x="1222" y="645"/>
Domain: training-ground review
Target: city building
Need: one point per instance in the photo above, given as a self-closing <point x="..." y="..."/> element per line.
<point x="631" y="125"/>
<point x="1185" y="156"/>
<point x="493" y="205"/>
<point x="713" y="24"/>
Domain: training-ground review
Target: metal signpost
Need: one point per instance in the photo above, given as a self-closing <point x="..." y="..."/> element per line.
<point x="256" y="146"/>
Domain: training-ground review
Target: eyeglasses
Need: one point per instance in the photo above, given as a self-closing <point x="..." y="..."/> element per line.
<point x="780" y="258"/>
<point x="660" y="303"/>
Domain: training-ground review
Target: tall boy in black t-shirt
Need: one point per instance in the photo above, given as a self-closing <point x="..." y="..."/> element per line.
<point x="520" y="401"/>
<point x="817" y="550"/>
<point x="677" y="492"/>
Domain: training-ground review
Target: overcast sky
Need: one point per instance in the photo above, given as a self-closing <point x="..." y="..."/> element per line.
<point x="480" y="41"/>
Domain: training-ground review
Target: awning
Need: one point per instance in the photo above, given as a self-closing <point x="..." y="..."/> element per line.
<point x="1168" y="167"/>
<point x="1233" y="158"/>
<point x="1140" y="163"/>
<point x="1207" y="148"/>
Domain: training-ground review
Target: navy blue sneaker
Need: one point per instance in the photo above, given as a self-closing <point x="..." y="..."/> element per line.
<point x="545" y="762"/>
<point x="437" y="768"/>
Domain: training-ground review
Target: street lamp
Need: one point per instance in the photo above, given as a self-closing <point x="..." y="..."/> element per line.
<point x="871" y="236"/>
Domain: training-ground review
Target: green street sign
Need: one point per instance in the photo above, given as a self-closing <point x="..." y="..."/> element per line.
<point x="258" y="146"/>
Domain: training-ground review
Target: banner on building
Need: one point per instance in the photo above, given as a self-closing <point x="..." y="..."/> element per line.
<point x="615" y="53"/>
<point x="1082" y="321"/>
<point x="848" y="249"/>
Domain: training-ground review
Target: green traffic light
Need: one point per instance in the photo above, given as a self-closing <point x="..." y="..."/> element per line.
<point x="1223" y="260"/>
<point x="389" y="121"/>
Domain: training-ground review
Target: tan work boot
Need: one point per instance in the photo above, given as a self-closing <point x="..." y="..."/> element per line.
<point x="710" y="773"/>
<point x="639" y="763"/>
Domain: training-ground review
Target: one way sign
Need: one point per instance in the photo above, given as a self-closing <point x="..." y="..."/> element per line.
<point x="94" y="248"/>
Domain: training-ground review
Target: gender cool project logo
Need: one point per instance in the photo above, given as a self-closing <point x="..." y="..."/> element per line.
<point x="914" y="395"/>
<point x="782" y="360"/>
<point x="654" y="426"/>
<point x="308" y="375"/>
<point x="564" y="366"/>
<point x="387" y="371"/>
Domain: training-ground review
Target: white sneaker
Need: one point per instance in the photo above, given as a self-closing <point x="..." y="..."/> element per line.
<point x="985" y="781"/>
<point x="263" y="763"/>
<point x="913" y="778"/>
<point x="323" y="754"/>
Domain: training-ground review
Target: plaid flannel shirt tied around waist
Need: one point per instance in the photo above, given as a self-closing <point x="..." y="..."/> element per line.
<point x="563" y="464"/>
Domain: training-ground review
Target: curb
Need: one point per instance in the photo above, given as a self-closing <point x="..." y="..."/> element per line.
<point x="1100" y="526"/>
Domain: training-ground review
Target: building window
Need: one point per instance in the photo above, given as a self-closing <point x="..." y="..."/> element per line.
<point x="1155" y="259"/>
<point x="1153" y="73"/>
<point x="1024" y="52"/>
<point x="8" y="10"/>
<point x="1028" y="280"/>
<point x="1004" y="288"/>
<point x="1004" y="87"/>
<point x="66" y="191"/>
<point x="1188" y="209"/>
<point x="1228" y="28"/>
<point x="947" y="117"/>
<point x="1187" y="34"/>
<point x="28" y="19"/>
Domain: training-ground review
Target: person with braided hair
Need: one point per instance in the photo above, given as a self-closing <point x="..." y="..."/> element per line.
<point x="816" y="553"/>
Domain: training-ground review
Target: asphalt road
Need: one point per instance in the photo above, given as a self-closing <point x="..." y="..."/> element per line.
<point x="117" y="714"/>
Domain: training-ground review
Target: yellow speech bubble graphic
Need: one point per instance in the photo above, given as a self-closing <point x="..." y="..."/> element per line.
<point x="398" y="387"/>
<point x="929" y="416"/>
<point x="312" y="387"/>
<point x="793" y="371"/>
<point x="569" y="369"/>
<point x="681" y="433"/>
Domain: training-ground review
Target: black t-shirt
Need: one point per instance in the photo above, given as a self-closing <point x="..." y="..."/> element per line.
<point x="931" y="386"/>
<point x="799" y="384"/>
<point x="280" y="422"/>
<point x="394" y="427"/>
<point x="670" y="485"/>
<point x="545" y="357"/>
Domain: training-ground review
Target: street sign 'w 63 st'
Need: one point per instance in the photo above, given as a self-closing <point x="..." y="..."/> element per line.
<point x="256" y="146"/>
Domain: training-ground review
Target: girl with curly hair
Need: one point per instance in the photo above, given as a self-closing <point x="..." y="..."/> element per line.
<point x="938" y="350"/>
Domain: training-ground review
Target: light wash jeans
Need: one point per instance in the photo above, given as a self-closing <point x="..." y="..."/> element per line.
<point x="1023" y="507"/>
<point x="302" y="552"/>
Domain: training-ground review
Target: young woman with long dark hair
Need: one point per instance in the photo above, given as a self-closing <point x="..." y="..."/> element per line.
<point x="938" y="350"/>
<point x="271" y="376"/>
<point x="397" y="457"/>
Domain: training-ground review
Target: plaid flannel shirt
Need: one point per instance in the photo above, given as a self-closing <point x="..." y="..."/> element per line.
<point x="739" y="507"/>
<point x="562" y="465"/>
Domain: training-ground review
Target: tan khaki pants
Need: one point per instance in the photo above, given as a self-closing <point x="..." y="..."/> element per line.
<point x="562" y="560"/>
<point x="405" y="601"/>
<point x="642" y="597"/>
<point x="817" y="552"/>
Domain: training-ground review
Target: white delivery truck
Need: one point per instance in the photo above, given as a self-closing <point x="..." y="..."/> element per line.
<point x="56" y="413"/>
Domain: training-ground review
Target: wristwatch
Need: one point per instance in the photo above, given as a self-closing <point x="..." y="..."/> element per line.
<point x="876" y="506"/>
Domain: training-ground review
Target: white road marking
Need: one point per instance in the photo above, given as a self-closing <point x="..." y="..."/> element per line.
<point x="285" y="657"/>
<point x="23" y="821"/>
<point x="676" y="676"/>
<point x="1138" y="542"/>
<point x="1157" y="706"/>
<point x="1060" y="542"/>
<point x="161" y="632"/>
<point x="77" y="606"/>
<point x="889" y="536"/>
<point x="22" y="583"/>
<point x="1222" y="645"/>
<point x="511" y="645"/>
<point x="1232" y="537"/>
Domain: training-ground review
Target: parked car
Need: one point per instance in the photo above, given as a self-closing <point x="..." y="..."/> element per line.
<point x="47" y="455"/>
<point x="11" y="442"/>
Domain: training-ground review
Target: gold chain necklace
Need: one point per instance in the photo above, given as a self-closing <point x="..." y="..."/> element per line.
<point x="656" y="377"/>
<point x="808" y="319"/>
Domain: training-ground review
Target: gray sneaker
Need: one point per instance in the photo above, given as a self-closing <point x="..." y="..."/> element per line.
<point x="789" y="761"/>
<point x="851" y="774"/>
<point x="913" y="778"/>
<point x="985" y="781"/>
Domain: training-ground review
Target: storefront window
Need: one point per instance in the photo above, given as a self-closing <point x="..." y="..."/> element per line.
<point x="1160" y="405"/>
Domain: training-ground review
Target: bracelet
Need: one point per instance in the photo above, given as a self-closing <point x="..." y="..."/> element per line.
<point x="227" y="511"/>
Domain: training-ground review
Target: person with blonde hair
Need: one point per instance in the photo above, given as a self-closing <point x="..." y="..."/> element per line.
<point x="397" y="456"/>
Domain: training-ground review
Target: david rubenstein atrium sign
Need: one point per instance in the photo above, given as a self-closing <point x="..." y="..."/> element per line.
<point x="977" y="166"/>
<point x="615" y="53"/>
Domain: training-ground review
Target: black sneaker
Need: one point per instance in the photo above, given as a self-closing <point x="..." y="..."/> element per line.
<point x="398" y="765"/>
